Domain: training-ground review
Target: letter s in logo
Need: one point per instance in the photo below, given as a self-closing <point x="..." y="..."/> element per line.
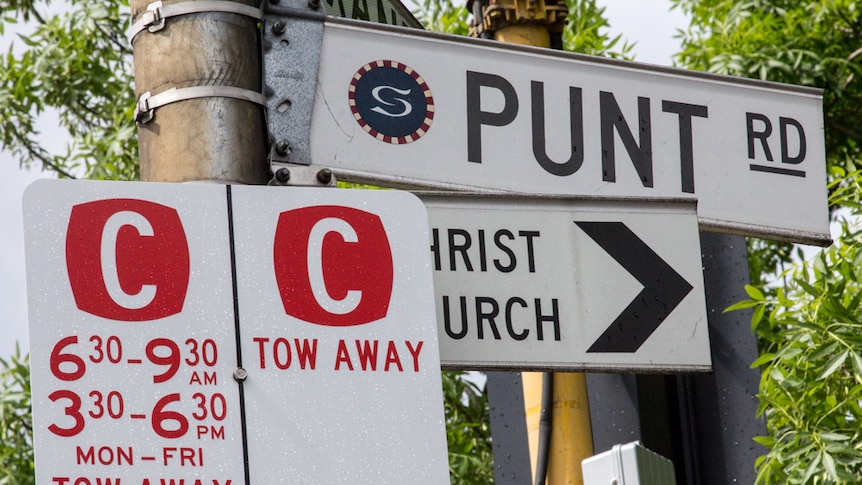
<point x="407" y="108"/>
<point x="333" y="265"/>
<point x="127" y="259"/>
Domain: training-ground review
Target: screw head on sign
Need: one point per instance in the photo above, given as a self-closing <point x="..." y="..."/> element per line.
<point x="314" y="4"/>
<point x="278" y="27"/>
<point x="282" y="147"/>
<point x="240" y="374"/>
<point x="282" y="175"/>
<point x="324" y="176"/>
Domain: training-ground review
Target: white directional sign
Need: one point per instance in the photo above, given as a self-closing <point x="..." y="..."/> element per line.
<point x="218" y="335"/>
<point x="568" y="284"/>
<point x="404" y="108"/>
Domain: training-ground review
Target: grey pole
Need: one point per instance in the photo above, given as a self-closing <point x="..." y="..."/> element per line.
<point x="704" y="423"/>
<point x="509" y="429"/>
<point x="720" y="420"/>
<point x="213" y="138"/>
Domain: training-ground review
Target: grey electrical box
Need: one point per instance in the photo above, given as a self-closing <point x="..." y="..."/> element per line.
<point x="629" y="464"/>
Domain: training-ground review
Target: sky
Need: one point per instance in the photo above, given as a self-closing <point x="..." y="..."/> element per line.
<point x="649" y="23"/>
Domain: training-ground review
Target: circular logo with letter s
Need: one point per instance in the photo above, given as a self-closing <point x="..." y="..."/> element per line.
<point x="391" y="102"/>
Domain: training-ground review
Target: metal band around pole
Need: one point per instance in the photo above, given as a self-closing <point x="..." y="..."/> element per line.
<point x="154" y="18"/>
<point x="147" y="103"/>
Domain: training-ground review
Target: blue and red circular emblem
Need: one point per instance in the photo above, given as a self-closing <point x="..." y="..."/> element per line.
<point x="391" y="102"/>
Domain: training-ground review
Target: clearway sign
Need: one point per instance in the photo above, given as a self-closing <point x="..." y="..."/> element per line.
<point x="568" y="284"/>
<point x="401" y="107"/>
<point x="218" y="335"/>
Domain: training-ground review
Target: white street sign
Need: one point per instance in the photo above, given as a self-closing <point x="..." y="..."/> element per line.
<point x="356" y="392"/>
<point x="402" y="108"/>
<point x="568" y="284"/>
<point x="131" y="366"/>
<point x="217" y="335"/>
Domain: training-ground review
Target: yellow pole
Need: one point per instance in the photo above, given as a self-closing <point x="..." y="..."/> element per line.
<point x="571" y="436"/>
<point x="532" y="383"/>
<point x="524" y="34"/>
<point x="530" y="22"/>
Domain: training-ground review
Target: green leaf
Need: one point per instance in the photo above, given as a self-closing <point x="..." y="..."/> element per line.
<point x="834" y="436"/>
<point x="827" y="349"/>
<point x="829" y="464"/>
<point x="776" y="374"/>
<point x="766" y="441"/>
<point x="757" y="315"/>
<point x="833" y="364"/>
<point x="857" y="363"/>
<point x="742" y="305"/>
<point x="811" y="290"/>
<point x="754" y="293"/>
<point x="763" y="359"/>
<point x="811" y="469"/>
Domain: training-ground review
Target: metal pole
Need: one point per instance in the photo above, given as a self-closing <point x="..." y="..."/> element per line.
<point x="508" y="429"/>
<point x="721" y="407"/>
<point x="704" y="423"/>
<point x="213" y="138"/>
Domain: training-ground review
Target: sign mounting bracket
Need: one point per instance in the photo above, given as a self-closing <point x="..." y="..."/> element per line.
<point x="292" y="37"/>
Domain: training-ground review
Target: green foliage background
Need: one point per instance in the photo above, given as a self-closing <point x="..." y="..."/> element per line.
<point x="806" y="313"/>
<point x="76" y="64"/>
<point x="16" y="422"/>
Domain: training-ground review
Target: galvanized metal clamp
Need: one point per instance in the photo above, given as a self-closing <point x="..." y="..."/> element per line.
<point x="153" y="19"/>
<point x="147" y="103"/>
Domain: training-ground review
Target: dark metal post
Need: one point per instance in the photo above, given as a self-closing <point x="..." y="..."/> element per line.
<point x="509" y="429"/>
<point x="704" y="423"/>
<point x="721" y="407"/>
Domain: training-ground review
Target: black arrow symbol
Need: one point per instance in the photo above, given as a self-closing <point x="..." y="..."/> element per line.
<point x="663" y="290"/>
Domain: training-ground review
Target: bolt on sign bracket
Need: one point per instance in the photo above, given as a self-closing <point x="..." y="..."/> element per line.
<point x="292" y="175"/>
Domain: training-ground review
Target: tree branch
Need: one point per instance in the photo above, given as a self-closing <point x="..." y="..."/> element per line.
<point x="45" y="160"/>
<point x="853" y="27"/>
<point x="845" y="130"/>
<point x="121" y="46"/>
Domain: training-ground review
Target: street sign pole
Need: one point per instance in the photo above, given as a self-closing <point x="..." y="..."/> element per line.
<point x="204" y="79"/>
<point x="198" y="84"/>
<point x="704" y="423"/>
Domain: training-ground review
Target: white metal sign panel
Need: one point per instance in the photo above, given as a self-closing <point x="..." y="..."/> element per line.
<point x="131" y="335"/>
<point x="398" y="107"/>
<point x="352" y="374"/>
<point x="139" y="325"/>
<point x="528" y="283"/>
